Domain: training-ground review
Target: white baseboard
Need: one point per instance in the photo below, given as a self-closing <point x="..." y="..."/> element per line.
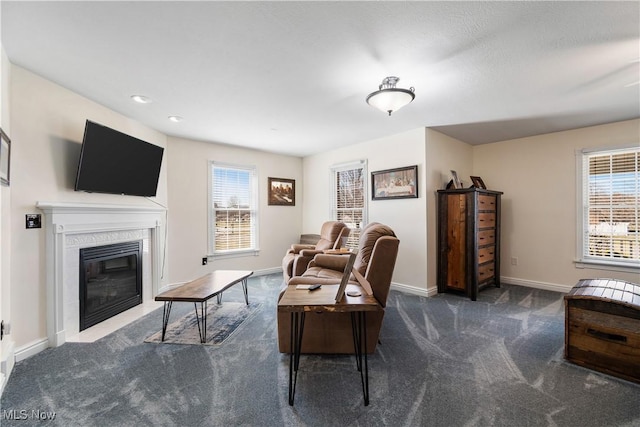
<point x="534" y="284"/>
<point x="6" y="364"/>
<point x="31" y="349"/>
<point x="414" y="290"/>
<point x="506" y="280"/>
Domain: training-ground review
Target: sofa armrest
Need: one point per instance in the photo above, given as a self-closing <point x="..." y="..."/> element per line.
<point x="332" y="262"/>
<point x="309" y="252"/>
<point x="297" y="247"/>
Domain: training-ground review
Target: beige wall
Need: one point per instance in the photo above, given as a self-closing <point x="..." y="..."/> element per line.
<point x="47" y="126"/>
<point x="279" y="226"/>
<point x="443" y="155"/>
<point x="405" y="216"/>
<point x="6" y="345"/>
<point x="538" y="178"/>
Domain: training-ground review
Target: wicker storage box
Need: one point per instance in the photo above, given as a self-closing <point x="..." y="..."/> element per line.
<point x="602" y="327"/>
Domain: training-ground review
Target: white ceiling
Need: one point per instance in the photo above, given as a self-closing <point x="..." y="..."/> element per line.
<point x="292" y="77"/>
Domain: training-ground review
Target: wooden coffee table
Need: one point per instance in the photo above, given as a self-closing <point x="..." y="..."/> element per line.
<point x="200" y="291"/>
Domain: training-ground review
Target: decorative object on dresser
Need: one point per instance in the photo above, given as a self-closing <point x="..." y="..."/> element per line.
<point x="455" y="180"/>
<point x="602" y="327"/>
<point x="468" y="240"/>
<point x="478" y="182"/>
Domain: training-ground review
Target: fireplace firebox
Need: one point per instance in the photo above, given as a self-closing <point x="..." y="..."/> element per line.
<point x="110" y="281"/>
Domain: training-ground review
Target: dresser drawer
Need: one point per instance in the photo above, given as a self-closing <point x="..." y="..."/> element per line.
<point x="486" y="272"/>
<point x="486" y="203"/>
<point x="486" y="220"/>
<point x="486" y="237"/>
<point x="486" y="254"/>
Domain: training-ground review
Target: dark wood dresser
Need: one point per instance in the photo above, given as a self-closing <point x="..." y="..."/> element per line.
<point x="468" y="240"/>
<point x="602" y="327"/>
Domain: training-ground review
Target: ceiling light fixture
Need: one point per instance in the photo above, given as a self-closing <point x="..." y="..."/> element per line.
<point x="388" y="97"/>
<point x="175" y="119"/>
<point x="141" y="99"/>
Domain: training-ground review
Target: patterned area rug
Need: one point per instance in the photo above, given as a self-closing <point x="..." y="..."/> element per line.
<point x="222" y="321"/>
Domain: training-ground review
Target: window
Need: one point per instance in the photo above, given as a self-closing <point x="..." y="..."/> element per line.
<point x="233" y="212"/>
<point x="610" y="231"/>
<point x="349" y="197"/>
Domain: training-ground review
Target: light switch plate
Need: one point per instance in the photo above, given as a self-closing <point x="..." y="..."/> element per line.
<point x="33" y="220"/>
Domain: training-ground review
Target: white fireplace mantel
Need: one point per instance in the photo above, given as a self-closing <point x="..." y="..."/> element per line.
<point x="86" y="224"/>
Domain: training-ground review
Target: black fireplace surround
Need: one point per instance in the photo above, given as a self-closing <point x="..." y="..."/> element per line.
<point x="110" y="281"/>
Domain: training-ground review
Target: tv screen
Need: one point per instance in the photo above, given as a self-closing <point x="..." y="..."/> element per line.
<point x="116" y="163"/>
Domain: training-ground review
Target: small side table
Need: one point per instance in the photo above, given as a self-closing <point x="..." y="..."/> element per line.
<point x="297" y="302"/>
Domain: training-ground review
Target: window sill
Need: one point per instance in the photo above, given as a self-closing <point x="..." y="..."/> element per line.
<point x="234" y="254"/>
<point x="608" y="265"/>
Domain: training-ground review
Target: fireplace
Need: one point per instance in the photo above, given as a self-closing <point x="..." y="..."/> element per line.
<point x="71" y="227"/>
<point x="110" y="281"/>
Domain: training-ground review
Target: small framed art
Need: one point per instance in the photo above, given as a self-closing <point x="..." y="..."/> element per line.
<point x="282" y="192"/>
<point x="5" y="158"/>
<point x="478" y="182"/>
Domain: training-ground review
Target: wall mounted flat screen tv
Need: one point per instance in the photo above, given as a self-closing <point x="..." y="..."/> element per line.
<point x="115" y="163"/>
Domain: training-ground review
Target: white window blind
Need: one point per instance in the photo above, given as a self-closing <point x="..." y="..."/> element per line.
<point x="349" y="198"/>
<point x="233" y="219"/>
<point x="611" y="199"/>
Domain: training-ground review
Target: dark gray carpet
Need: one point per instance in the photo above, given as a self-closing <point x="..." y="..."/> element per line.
<point x="222" y="321"/>
<point x="444" y="361"/>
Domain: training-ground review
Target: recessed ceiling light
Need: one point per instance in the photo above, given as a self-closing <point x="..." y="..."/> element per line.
<point x="175" y="119"/>
<point x="141" y="99"/>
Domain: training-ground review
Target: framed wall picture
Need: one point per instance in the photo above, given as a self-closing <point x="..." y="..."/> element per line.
<point x="478" y="182"/>
<point x="5" y="158"/>
<point x="399" y="183"/>
<point x="282" y="192"/>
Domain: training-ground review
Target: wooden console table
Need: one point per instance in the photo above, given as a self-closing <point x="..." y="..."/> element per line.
<point x="297" y="302"/>
<point x="200" y="291"/>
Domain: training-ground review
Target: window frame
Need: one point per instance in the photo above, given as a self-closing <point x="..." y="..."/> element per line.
<point x="335" y="169"/>
<point x="254" y="209"/>
<point x="583" y="259"/>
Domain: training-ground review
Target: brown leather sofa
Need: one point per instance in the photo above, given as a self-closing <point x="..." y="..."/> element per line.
<point x="295" y="261"/>
<point x="331" y="332"/>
